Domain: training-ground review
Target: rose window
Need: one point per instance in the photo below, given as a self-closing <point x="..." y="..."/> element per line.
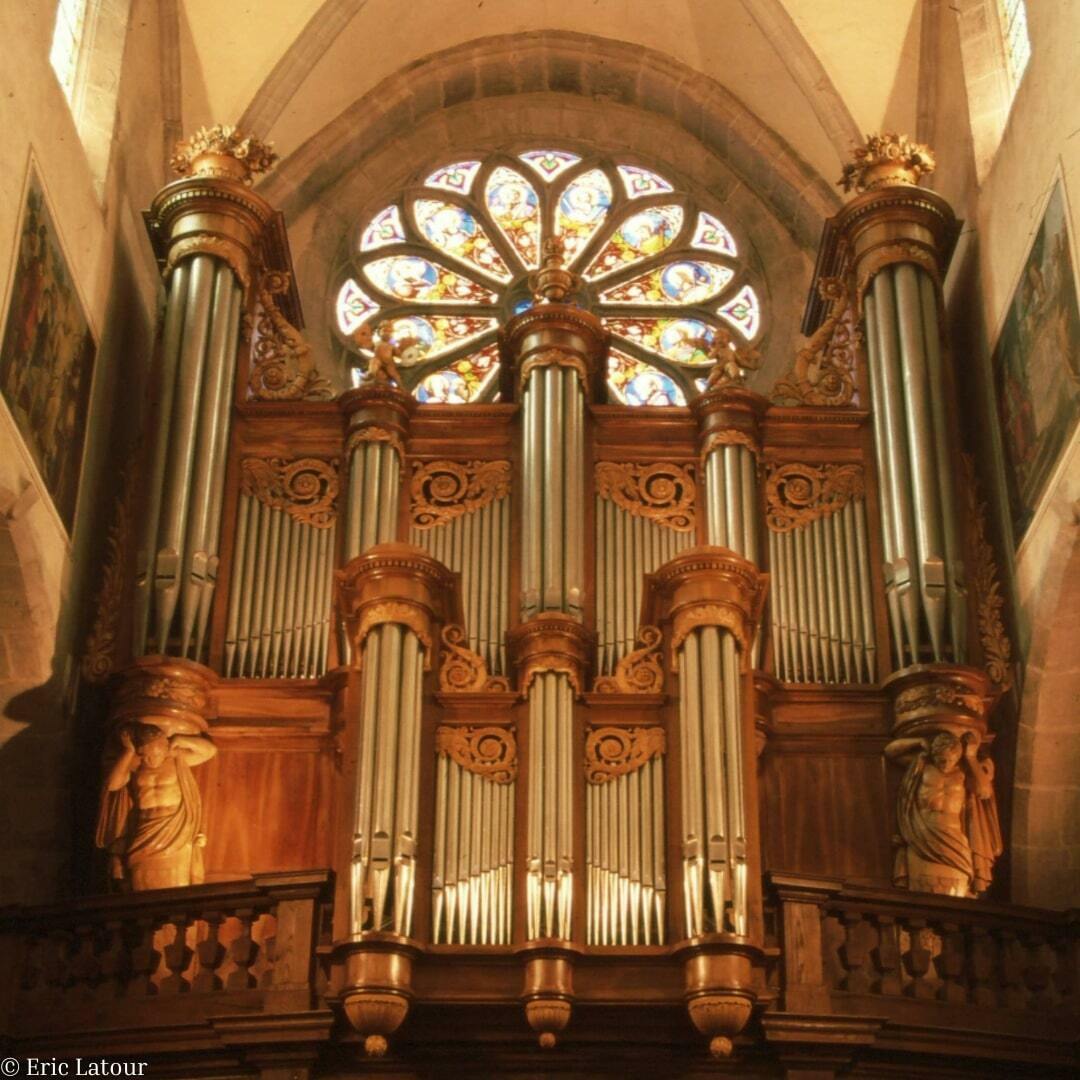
<point x="437" y="271"/>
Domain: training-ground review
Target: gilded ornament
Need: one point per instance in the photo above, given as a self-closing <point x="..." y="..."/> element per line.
<point x="824" y="369"/>
<point x="986" y="584"/>
<point x="694" y="616"/>
<point x="899" y="251"/>
<point x="281" y="364"/>
<point x="443" y="490"/>
<point x="797" y="494"/>
<point x="885" y="160"/>
<point x="220" y="247"/>
<point x="664" y="492"/>
<point x="731" y="361"/>
<point x="462" y="669"/>
<point x="305" y="488"/>
<point x="639" y="672"/>
<point x="555" y="358"/>
<point x="552" y="283"/>
<point x="372" y="433"/>
<point x="488" y="751"/>
<point x="393" y="611"/>
<point x="730" y="437"/>
<point x="382" y="367"/>
<point x="618" y="751"/>
<point x="222" y="151"/>
<point x="936" y="697"/>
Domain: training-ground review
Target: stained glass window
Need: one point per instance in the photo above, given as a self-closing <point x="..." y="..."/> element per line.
<point x="441" y="268"/>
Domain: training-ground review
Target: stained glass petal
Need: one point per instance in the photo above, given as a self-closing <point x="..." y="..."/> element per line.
<point x="463" y="381"/>
<point x="353" y="306"/>
<point x="686" y="341"/>
<point x="409" y="277"/>
<point x="582" y="208"/>
<point x="639" y="182"/>
<point x="457" y="177"/>
<point x="423" y="337"/>
<point x="744" y="312"/>
<point x="712" y="234"/>
<point x="643" y="234"/>
<point x="512" y="202"/>
<point x="689" y="281"/>
<point x="633" y="382"/>
<point x="458" y="233"/>
<point x="549" y="163"/>
<point x="384" y="228"/>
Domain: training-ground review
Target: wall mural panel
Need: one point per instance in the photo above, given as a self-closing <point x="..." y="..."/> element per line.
<point x="47" y="355"/>
<point x="1037" y="364"/>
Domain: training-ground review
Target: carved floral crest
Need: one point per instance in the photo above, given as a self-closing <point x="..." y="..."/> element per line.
<point x="222" y="150"/>
<point x="663" y="492"/>
<point x="884" y="160"/>
<point x="488" y="751"/>
<point x="443" y="490"/>
<point x="306" y="488"/>
<point x="796" y="494"/>
<point x="617" y="751"/>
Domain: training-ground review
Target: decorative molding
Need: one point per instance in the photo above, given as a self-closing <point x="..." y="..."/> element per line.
<point x="824" y="369"/>
<point x="281" y="364"/>
<point x="551" y="642"/>
<point x="986" y="585"/>
<point x="171" y="694"/>
<point x="372" y="433"/>
<point x="488" y="751"/>
<point x="797" y="494"/>
<point x="220" y="247"/>
<point x="639" y="672"/>
<point x="730" y="437"/>
<point x="617" y="751"/>
<point x="222" y="152"/>
<point x="402" y="612"/>
<point x="696" y="615"/>
<point x="555" y="358"/>
<point x="899" y="251"/>
<point x="443" y="490"/>
<point x="461" y="668"/>
<point x="305" y="488"/>
<point x="935" y="698"/>
<point x="552" y="283"/>
<point x="663" y="492"/>
<point x="886" y="160"/>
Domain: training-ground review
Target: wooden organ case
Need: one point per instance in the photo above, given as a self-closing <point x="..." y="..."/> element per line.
<point x="610" y="723"/>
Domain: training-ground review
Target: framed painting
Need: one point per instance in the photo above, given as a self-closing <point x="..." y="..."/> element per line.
<point x="47" y="353"/>
<point x="1036" y="364"/>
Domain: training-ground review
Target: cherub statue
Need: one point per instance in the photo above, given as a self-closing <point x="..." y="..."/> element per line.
<point x="730" y="361"/>
<point x="150" y="820"/>
<point x="946" y="814"/>
<point x="382" y="367"/>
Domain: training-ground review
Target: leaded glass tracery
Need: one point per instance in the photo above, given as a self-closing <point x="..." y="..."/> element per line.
<point x="437" y="271"/>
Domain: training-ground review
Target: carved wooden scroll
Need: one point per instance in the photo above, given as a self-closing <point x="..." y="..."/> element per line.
<point x="797" y="494"/>
<point x="489" y="751"/>
<point x="461" y="668"/>
<point x="443" y="490"/>
<point x="639" y="672"/>
<point x="663" y="492"/>
<point x="305" y="488"/>
<point x="616" y="751"/>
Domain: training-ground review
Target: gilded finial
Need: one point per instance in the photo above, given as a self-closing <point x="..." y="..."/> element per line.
<point x="886" y="160"/>
<point x="552" y="282"/>
<point x="223" y="152"/>
<point x="731" y="361"/>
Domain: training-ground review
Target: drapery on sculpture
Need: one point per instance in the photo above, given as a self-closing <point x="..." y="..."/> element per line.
<point x="150" y="820"/>
<point x="946" y="814"/>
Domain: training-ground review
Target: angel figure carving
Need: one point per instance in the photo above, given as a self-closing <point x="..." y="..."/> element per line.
<point x="730" y="361"/>
<point x="150" y="821"/>
<point x="946" y="814"/>
<point x="382" y="367"/>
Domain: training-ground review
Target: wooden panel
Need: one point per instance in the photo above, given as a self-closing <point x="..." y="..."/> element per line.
<point x="265" y="810"/>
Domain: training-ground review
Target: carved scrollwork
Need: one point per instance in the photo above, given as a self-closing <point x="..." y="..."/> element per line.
<point x="489" y="751"/>
<point x="639" y="672"/>
<point x="443" y="490"/>
<point x="617" y="751"/>
<point x="824" y="369"/>
<point x="220" y="247"/>
<point x="730" y="437"/>
<point x="461" y="668"/>
<point x="306" y="488"/>
<point x="796" y="494"/>
<point x="663" y="492"/>
<point x="281" y="364"/>
<point x="900" y="251"/>
<point x="989" y="603"/>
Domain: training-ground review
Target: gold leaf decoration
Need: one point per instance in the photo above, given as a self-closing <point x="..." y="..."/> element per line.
<point x="202" y="154"/>
<point x="639" y="672"/>
<point x="617" y="751"/>
<point x="488" y="751"/>
<point x="306" y="488"/>
<point x="443" y="490"/>
<point x="796" y="494"/>
<point x="662" y="492"/>
<point x="884" y="160"/>
<point x="461" y="668"/>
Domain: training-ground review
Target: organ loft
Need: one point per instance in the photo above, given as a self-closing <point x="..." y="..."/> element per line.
<point x="529" y="673"/>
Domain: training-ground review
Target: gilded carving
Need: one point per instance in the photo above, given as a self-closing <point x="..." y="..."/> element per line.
<point x="934" y="698"/>
<point x="899" y="251"/>
<point x="281" y="363"/>
<point x="462" y="669"/>
<point x="796" y="494"/>
<point x="694" y="616"/>
<point x="986" y="584"/>
<point x="305" y="488"/>
<point x="382" y="366"/>
<point x="555" y="358"/>
<point x="394" y="611"/>
<point x="824" y="369"/>
<point x="222" y="151"/>
<point x="731" y="361"/>
<point x="618" y="751"/>
<point x="663" y="492"/>
<point x="488" y="751"/>
<point x="885" y="160"/>
<point x="730" y="437"/>
<point x="639" y="672"/>
<point x="371" y="433"/>
<point x="443" y="490"/>
<point x="551" y="642"/>
<point x="221" y="247"/>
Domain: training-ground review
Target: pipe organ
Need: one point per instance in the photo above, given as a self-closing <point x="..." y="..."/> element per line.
<point x="574" y="673"/>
